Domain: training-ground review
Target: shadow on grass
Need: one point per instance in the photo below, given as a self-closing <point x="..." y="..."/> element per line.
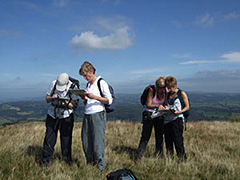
<point x="36" y="152"/>
<point x="124" y="149"/>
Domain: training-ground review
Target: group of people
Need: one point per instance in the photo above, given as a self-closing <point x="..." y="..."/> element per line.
<point x="165" y="96"/>
<point x="60" y="117"/>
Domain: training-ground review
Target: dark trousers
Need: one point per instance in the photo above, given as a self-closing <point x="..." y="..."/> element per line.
<point x="66" y="127"/>
<point x="174" y="135"/>
<point x="148" y="124"/>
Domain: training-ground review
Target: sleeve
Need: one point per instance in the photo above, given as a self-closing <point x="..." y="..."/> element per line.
<point x="49" y="91"/>
<point x="106" y="91"/>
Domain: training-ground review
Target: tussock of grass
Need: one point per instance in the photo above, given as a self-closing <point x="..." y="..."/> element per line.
<point x="213" y="150"/>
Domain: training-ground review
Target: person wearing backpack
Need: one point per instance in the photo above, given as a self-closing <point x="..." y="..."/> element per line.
<point x="156" y="96"/>
<point x="59" y="116"/>
<point x="94" y="121"/>
<point x="174" y="121"/>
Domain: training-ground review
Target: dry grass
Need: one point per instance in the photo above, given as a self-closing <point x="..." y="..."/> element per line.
<point x="213" y="150"/>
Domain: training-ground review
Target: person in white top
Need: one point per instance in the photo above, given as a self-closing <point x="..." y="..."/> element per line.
<point x="94" y="121"/>
<point x="60" y="116"/>
<point x="155" y="100"/>
<point x="173" y="125"/>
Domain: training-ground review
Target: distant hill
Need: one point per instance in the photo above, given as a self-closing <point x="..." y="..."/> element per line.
<point x="204" y="106"/>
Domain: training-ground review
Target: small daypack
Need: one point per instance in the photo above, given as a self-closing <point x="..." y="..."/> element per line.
<point x="186" y="113"/>
<point x="109" y="107"/>
<point x="143" y="98"/>
<point x="121" y="174"/>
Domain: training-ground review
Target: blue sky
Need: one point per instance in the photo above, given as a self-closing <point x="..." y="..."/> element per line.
<point x="130" y="43"/>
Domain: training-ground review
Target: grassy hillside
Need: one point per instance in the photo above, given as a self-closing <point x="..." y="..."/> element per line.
<point x="213" y="150"/>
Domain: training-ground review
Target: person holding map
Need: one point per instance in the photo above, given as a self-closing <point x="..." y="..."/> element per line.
<point x="173" y="122"/>
<point x="60" y="116"/>
<point x="155" y="100"/>
<point x="95" y="116"/>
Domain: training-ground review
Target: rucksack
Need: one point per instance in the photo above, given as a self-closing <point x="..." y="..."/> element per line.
<point x="143" y="98"/>
<point x="108" y="107"/>
<point x="121" y="174"/>
<point x="186" y="113"/>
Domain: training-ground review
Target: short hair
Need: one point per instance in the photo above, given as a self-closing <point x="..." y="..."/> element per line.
<point x="86" y="67"/>
<point x="160" y="82"/>
<point x="171" y="81"/>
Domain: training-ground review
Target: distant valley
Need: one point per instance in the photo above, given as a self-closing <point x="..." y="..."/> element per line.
<point x="204" y="106"/>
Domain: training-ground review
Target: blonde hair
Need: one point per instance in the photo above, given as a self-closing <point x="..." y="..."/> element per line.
<point x="160" y="82"/>
<point x="86" y="67"/>
<point x="171" y="81"/>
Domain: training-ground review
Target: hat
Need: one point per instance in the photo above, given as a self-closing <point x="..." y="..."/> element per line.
<point x="62" y="81"/>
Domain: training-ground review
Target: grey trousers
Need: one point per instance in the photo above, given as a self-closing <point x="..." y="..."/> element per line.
<point x="93" y="135"/>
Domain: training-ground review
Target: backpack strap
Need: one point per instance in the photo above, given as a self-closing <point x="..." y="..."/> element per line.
<point x="179" y="94"/>
<point x="182" y="104"/>
<point x="166" y="97"/>
<point x="53" y="89"/>
<point x="99" y="86"/>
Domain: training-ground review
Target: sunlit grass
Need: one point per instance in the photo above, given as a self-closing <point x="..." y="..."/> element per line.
<point x="213" y="150"/>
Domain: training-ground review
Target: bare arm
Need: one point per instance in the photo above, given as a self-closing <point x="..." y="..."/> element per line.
<point x="149" y="100"/>
<point x="71" y="104"/>
<point x="186" y="103"/>
<point x="49" y="98"/>
<point x="103" y="100"/>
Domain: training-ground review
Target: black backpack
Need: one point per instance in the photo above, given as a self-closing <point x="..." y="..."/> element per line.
<point x="121" y="174"/>
<point x="143" y="98"/>
<point x="186" y="113"/>
<point x="109" y="107"/>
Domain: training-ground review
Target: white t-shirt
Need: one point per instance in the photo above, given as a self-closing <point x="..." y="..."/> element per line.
<point x="93" y="105"/>
<point x="176" y="105"/>
<point x="59" y="112"/>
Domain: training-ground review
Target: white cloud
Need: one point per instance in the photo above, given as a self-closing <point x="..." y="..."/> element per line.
<point x="233" y="57"/>
<point x="119" y="39"/>
<point x="146" y="71"/>
<point x="209" y="19"/>
<point x="182" y="56"/>
<point x="219" y="73"/>
<point x="196" y="62"/>
<point x="4" y="32"/>
<point x="205" y="20"/>
<point x="232" y="15"/>
<point x="110" y="24"/>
